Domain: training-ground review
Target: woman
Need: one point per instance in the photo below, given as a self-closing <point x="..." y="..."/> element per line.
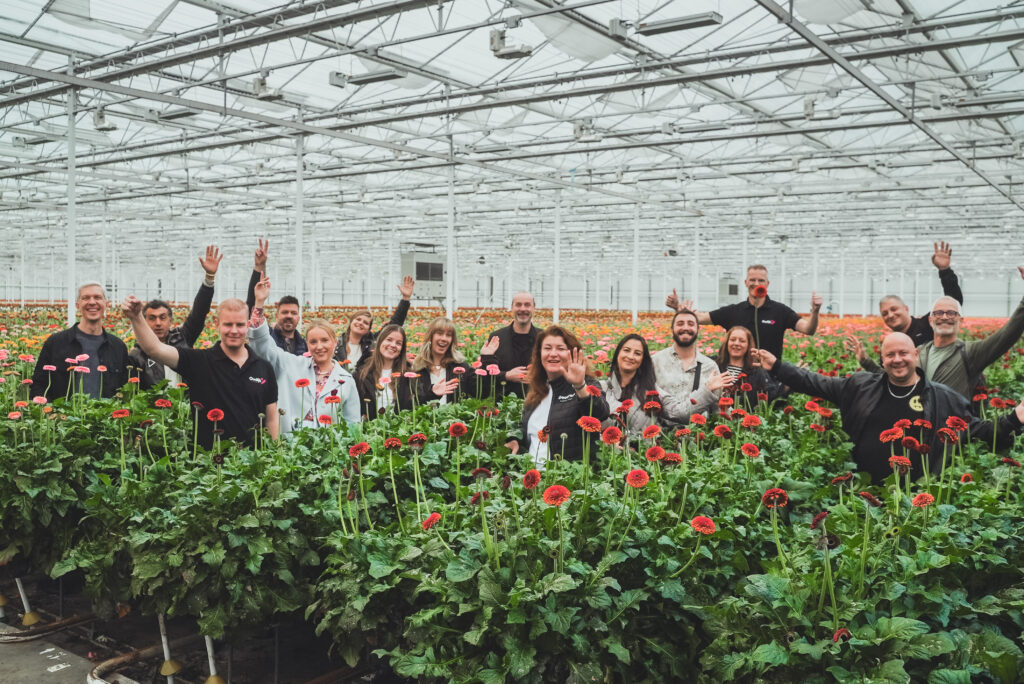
<point x="309" y="388"/>
<point x="442" y="367"/>
<point x="735" y="359"/>
<point x="358" y="339"/>
<point x="381" y="380"/>
<point x="560" y="393"/>
<point x="632" y="378"/>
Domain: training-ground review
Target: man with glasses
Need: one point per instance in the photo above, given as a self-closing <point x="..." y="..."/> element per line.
<point x="953" y="362"/>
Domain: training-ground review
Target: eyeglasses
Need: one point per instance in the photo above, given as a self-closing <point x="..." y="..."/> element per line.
<point x="945" y="314"/>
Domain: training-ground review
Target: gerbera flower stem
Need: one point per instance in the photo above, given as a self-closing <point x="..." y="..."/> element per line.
<point x="778" y="542"/>
<point x="830" y="581"/>
<point x="693" y="557"/>
<point x="417" y="480"/>
<point x="458" y="479"/>
<point x="561" y="548"/>
<point x="341" y="509"/>
<point x="682" y="502"/>
<point x="864" y="549"/>
<point x="394" y="492"/>
<point x="492" y="553"/>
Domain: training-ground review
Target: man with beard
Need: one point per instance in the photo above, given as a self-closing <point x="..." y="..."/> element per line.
<point x="684" y="373"/>
<point x="285" y="331"/>
<point x="871" y="404"/>
<point x="509" y="348"/>
<point x="766" y="318"/>
<point x="953" y="362"/>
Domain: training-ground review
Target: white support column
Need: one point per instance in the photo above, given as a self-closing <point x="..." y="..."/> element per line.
<point x="814" y="266"/>
<point x="695" y="268"/>
<point x="864" y="292"/>
<point x="22" y="241"/>
<point x="300" y="279"/>
<point x="842" y="280"/>
<point x="558" y="256"/>
<point x="450" y="275"/>
<point x="784" y="294"/>
<point x="636" y="262"/>
<point x="71" y="238"/>
<point x="917" y="292"/>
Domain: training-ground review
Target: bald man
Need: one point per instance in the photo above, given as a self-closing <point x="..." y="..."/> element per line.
<point x="951" y="361"/>
<point x="873" y="402"/>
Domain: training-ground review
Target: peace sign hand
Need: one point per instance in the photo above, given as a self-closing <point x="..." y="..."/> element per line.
<point x="260" y="259"/>
<point x="575" y="368"/>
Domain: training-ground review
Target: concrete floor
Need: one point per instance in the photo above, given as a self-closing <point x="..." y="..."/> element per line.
<point x="39" y="661"/>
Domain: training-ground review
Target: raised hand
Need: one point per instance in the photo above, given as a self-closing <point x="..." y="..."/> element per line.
<point x="517" y="374"/>
<point x="815" y="301"/>
<point x="686" y="304"/>
<point x="132" y="307"/>
<point x="262" y="290"/>
<point x="211" y="262"/>
<point x="943" y="253"/>
<point x="260" y="259"/>
<point x="854" y="345"/>
<point x="721" y="381"/>
<point x="491" y="347"/>
<point x="445" y="387"/>
<point x="767" y="359"/>
<point x="672" y="301"/>
<point x="575" y="369"/>
<point x="406" y="287"/>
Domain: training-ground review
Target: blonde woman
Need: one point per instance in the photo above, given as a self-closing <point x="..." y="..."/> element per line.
<point x="444" y="374"/>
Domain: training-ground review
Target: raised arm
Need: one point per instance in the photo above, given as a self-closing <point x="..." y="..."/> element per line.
<point x="809" y="325"/>
<point x="259" y="267"/>
<point x="193" y="326"/>
<point x="259" y="331"/>
<point x="801" y="379"/>
<point x="941" y="260"/>
<point x="984" y="352"/>
<point x="147" y="339"/>
<point x="402" y="310"/>
<point x="673" y="302"/>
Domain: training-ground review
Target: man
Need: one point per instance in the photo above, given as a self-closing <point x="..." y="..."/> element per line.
<point x="951" y="361"/>
<point x="896" y="314"/>
<point x="285" y="330"/>
<point x="873" y="402"/>
<point x="159" y="317"/>
<point x="509" y="348"/>
<point x="685" y="374"/>
<point x="767" y="319"/>
<point x="228" y="376"/>
<point x="85" y="355"/>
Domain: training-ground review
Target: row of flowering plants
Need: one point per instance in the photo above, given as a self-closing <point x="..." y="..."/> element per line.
<point x="739" y="547"/>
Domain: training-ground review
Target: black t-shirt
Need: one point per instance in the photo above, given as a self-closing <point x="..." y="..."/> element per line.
<point x="871" y="454"/>
<point x="242" y="393"/>
<point x="769" y="330"/>
<point x="920" y="330"/>
<point x="522" y="347"/>
<point x="91" y="347"/>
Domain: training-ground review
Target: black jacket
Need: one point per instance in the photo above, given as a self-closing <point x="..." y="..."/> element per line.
<point x="150" y="371"/>
<point x="368" y="395"/>
<point x="857" y="395"/>
<point x="566" y="409"/>
<point x="366" y="344"/>
<point x="920" y="330"/>
<point x="506" y="359"/>
<point x="64" y="345"/>
<point x="468" y="383"/>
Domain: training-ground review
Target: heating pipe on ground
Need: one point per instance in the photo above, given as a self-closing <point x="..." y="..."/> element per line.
<point x="108" y="666"/>
<point x="45" y="630"/>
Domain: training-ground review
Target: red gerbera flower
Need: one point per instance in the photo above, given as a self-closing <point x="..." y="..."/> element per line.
<point x="417" y="440"/>
<point x="651" y="431"/>
<point x="625" y="405"/>
<point x="817" y="427"/>
<point x="966" y="477"/>
<point x="902" y="423"/>
<point x="725" y="402"/>
<point x="703" y="524"/>
<point x="812" y="406"/>
<point x="746" y="387"/>
<point x="956" y="423"/>
<point x="722" y="431"/>
<point x="775" y="497"/>
<point x="163" y="403"/>
<point x="909" y="442"/>
<point x="842" y="478"/>
<point x="841" y="634"/>
<point x="923" y="499"/>
<point x="457" y="429"/>
<point x="476" y="497"/>
<point x="652" y="406"/>
<point x="481" y="473"/>
<point x="213" y="415"/>
<point x="891" y="435"/>
<point x="682" y="432"/>
<point x="556" y="495"/>
<point x="593" y="391"/>
<point x="431" y="520"/>
<point x="1009" y="461"/>
<point x="947" y="435"/>
<point x="761" y="396"/>
<point x="637" y="478"/>
<point x="332" y="399"/>
<point x="817" y="519"/>
<point x="120" y="413"/>
<point x="698" y="419"/>
<point x="922" y="423"/>
<point x="871" y="499"/>
<point x="672" y="457"/>
<point x="750" y="450"/>
<point x="760" y="291"/>
<point x="543" y="433"/>
<point x="655" y="453"/>
<point x="358" y="449"/>
<point x="899" y="462"/>
<point x="302" y="382"/>
<point x="788" y="409"/>
<point x="589" y="423"/>
<point x="531" y="479"/>
<point x="611" y="435"/>
<point x="392" y="443"/>
<point x="324" y="419"/>
<point x="751" y="421"/>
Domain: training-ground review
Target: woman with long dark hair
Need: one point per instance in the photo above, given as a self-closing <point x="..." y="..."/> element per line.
<point x="560" y="393"/>
<point x="381" y="380"/>
<point x="735" y="359"/>
<point x="356" y="344"/>
<point x="441" y="366"/>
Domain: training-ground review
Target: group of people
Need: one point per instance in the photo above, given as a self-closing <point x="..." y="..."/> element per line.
<point x="260" y="376"/>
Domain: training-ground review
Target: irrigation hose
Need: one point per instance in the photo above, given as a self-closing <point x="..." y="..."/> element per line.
<point x="107" y="666"/>
<point x="41" y="631"/>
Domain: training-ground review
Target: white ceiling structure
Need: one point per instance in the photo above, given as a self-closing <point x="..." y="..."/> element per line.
<point x="824" y="130"/>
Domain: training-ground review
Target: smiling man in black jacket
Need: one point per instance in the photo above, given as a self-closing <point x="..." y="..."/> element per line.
<point x="873" y="402"/>
<point x="509" y="348"/>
